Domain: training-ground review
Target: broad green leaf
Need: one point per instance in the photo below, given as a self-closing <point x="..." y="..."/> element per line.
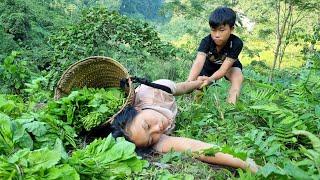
<point x="58" y="147"/>
<point x="125" y="147"/>
<point x="6" y="138"/>
<point x="43" y="159"/>
<point x="136" y="164"/>
<point x="19" y="155"/>
<point x="103" y="108"/>
<point x="25" y="141"/>
<point x="119" y="169"/>
<point x="106" y="158"/>
<point x="37" y="128"/>
<point x="62" y="172"/>
<point x="106" y="145"/>
<point x="6" y="105"/>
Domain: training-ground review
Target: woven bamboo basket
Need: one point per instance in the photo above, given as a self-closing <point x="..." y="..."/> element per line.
<point x="95" y="72"/>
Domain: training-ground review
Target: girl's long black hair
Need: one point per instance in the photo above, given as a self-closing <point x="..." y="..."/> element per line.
<point x="120" y="122"/>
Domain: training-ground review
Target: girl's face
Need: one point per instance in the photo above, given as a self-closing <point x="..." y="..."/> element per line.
<point x="221" y="34"/>
<point x="147" y="127"/>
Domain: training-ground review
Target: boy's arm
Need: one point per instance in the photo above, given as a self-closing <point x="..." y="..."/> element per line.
<point x="180" y="144"/>
<point x="222" y="71"/>
<point x="197" y="66"/>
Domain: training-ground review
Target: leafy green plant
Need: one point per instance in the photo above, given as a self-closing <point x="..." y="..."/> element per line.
<point x="12" y="136"/>
<point x="35" y="91"/>
<point x="41" y="163"/>
<point x="12" y="105"/>
<point x="46" y="128"/>
<point x="13" y="73"/>
<point x="107" y="159"/>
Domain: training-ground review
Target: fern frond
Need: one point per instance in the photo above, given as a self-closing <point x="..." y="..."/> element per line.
<point x="262" y="95"/>
<point x="315" y="141"/>
<point x="285" y="115"/>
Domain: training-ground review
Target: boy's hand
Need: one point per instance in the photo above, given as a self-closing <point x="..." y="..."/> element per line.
<point x="198" y="82"/>
<point x="206" y="81"/>
<point x="201" y="80"/>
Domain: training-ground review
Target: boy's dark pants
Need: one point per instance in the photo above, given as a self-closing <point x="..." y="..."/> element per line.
<point x="211" y="68"/>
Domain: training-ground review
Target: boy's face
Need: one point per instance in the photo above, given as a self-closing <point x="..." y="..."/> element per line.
<point x="221" y="34"/>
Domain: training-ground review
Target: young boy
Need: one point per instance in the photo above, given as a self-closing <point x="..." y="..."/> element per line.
<point x="218" y="53"/>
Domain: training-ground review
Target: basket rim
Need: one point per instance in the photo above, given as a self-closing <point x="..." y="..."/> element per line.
<point x="128" y="101"/>
<point x="87" y="59"/>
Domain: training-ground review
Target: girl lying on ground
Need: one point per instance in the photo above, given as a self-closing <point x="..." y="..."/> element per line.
<point x="152" y="118"/>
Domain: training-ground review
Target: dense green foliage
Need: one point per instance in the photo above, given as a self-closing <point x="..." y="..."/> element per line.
<point x="34" y="141"/>
<point x="263" y="123"/>
<point x="148" y="9"/>
<point x="15" y="72"/>
<point x="276" y="123"/>
<point x="132" y="42"/>
<point x="25" y="25"/>
<point x="88" y="37"/>
<point x="103" y="159"/>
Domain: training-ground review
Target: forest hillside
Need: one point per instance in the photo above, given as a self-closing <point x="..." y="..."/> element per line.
<point x="276" y="120"/>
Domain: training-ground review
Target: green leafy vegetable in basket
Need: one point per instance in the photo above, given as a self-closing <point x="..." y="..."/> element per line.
<point x="88" y="107"/>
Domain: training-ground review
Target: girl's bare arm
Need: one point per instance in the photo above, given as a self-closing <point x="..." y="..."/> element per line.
<point x="187" y="87"/>
<point x="180" y="144"/>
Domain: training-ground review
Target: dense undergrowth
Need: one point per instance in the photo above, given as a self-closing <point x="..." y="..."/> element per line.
<point x="276" y="123"/>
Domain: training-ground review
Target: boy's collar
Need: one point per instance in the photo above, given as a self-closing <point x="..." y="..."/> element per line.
<point x="228" y="44"/>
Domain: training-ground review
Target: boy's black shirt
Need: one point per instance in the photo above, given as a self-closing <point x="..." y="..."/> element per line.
<point x="232" y="50"/>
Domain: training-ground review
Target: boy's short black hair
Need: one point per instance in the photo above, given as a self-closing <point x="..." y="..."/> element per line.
<point x="120" y="122"/>
<point x="222" y="16"/>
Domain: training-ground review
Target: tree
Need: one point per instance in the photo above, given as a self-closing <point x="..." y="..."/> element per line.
<point x="147" y="8"/>
<point x="16" y="19"/>
<point x="288" y="14"/>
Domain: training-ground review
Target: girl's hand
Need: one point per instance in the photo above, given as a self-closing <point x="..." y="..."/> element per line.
<point x="253" y="167"/>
